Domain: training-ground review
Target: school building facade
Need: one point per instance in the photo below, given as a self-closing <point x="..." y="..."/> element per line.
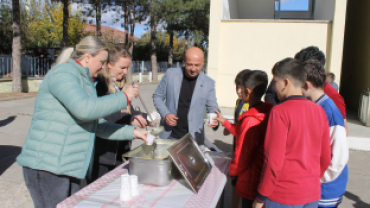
<point x="255" y="34"/>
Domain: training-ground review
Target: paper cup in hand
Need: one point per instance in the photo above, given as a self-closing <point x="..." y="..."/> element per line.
<point x="211" y="116"/>
<point x="150" y="137"/>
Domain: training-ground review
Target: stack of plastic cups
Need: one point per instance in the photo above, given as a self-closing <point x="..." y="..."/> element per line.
<point x="125" y="194"/>
<point x="134" y="185"/>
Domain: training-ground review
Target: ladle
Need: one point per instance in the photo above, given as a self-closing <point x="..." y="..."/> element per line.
<point x="157" y="130"/>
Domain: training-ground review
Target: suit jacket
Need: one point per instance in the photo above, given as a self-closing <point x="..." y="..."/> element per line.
<point x="166" y="98"/>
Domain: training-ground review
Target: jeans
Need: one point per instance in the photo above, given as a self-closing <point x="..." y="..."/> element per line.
<point x="247" y="203"/>
<point x="271" y="204"/>
<point x="47" y="189"/>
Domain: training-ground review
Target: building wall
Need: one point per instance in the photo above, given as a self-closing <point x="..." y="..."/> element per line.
<point x="259" y="45"/>
<point x="238" y="44"/>
<point x="356" y="61"/>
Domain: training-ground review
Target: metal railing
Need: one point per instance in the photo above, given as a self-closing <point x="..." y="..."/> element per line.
<point x="32" y="66"/>
<point x="146" y="66"/>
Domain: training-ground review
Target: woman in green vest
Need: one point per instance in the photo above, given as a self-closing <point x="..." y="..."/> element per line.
<point x="68" y="114"/>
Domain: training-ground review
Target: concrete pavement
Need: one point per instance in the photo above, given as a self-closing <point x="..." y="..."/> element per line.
<point x="15" y="119"/>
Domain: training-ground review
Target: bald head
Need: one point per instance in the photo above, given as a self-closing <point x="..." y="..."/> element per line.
<point x="194" y="61"/>
<point x="194" y="52"/>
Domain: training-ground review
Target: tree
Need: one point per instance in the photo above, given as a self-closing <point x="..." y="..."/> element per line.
<point x="16" y="49"/>
<point x="98" y="18"/>
<point x="65" y="22"/>
<point x="142" y="47"/>
<point x="174" y="13"/>
<point x="6" y="29"/>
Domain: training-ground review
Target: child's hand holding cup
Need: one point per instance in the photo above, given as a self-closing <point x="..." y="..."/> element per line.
<point x="213" y="121"/>
<point x="219" y="117"/>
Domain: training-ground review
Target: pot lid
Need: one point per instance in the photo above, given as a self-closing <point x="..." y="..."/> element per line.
<point x="190" y="161"/>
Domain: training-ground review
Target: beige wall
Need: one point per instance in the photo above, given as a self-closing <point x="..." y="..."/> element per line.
<point x="356" y="55"/>
<point x="259" y="45"/>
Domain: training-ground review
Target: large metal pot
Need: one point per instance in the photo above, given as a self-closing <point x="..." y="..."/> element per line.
<point x="152" y="164"/>
<point x="170" y="159"/>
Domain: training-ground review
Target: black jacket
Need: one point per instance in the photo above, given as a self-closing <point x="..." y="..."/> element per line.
<point x="271" y="95"/>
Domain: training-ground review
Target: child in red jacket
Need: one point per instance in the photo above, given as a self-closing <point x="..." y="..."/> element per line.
<point x="297" y="144"/>
<point x="250" y="134"/>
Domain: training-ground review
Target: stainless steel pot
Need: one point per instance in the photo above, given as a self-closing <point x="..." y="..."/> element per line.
<point x="152" y="164"/>
<point x="170" y="159"/>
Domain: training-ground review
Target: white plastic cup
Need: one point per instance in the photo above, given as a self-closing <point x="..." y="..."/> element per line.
<point x="134" y="185"/>
<point x="211" y="116"/>
<point x="134" y="182"/>
<point x="125" y="193"/>
<point x="150" y="138"/>
<point x="125" y="196"/>
<point x="125" y="182"/>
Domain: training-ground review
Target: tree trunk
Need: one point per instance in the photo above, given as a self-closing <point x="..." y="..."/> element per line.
<point x="16" y="49"/>
<point x="126" y="23"/>
<point x="153" y="55"/>
<point x="170" y="54"/>
<point x="132" y="42"/>
<point x="186" y="40"/>
<point x="98" y="18"/>
<point x="65" y="22"/>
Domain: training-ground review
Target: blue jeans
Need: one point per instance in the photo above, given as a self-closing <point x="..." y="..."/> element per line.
<point x="272" y="204"/>
<point x="47" y="189"/>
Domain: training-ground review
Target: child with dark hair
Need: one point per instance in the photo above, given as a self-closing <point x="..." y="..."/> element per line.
<point x="240" y="108"/>
<point x="297" y="144"/>
<point x="250" y="135"/>
<point x="311" y="52"/>
<point x="334" y="182"/>
<point x="314" y="52"/>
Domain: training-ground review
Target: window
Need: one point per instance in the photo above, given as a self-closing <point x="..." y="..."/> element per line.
<point x="294" y="9"/>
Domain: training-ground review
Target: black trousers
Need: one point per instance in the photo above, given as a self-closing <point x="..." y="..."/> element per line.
<point x="47" y="189"/>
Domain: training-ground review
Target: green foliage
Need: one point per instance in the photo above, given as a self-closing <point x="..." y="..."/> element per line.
<point x="6" y="32"/>
<point x="44" y="27"/>
<point x="143" y="46"/>
<point x="41" y="25"/>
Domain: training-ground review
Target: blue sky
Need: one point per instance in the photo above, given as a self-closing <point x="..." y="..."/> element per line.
<point x="294" y="5"/>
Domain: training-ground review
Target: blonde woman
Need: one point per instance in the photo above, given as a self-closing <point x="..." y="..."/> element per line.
<point x="58" y="149"/>
<point x="112" y="79"/>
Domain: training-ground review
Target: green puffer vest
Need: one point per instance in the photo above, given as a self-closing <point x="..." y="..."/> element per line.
<point x="66" y="118"/>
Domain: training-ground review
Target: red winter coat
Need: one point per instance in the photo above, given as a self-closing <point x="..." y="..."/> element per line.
<point x="249" y="151"/>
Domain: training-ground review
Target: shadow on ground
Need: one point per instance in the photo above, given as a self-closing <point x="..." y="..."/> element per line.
<point x="7" y="121"/>
<point x="8" y="154"/>
<point x="359" y="203"/>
